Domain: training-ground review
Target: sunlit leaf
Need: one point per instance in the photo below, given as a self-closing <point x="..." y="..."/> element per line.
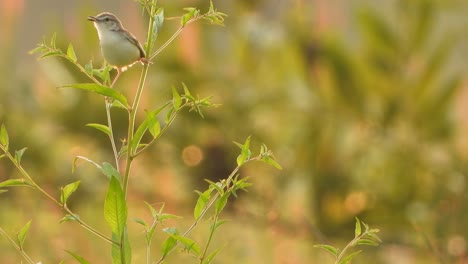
<point x="170" y="242"/>
<point x="68" y="190"/>
<point x="210" y="257"/>
<point x="111" y="172"/>
<point x="245" y="152"/>
<point x="348" y="258"/>
<point x="14" y="182"/>
<point x="203" y="199"/>
<point x="100" y="89"/>
<point x="22" y="234"/>
<point x="331" y="249"/>
<point x="71" y="53"/>
<point x="4" y="139"/>
<point x="177" y="100"/>
<point x="357" y="230"/>
<point x="19" y="154"/>
<point x="100" y="127"/>
<point x="77" y="257"/>
<point x="115" y="207"/>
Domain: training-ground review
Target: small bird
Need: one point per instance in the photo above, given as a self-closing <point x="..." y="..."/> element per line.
<point x="119" y="47"/>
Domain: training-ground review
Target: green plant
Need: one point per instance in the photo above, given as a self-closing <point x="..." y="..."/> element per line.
<point x="115" y="204"/>
<point x="367" y="236"/>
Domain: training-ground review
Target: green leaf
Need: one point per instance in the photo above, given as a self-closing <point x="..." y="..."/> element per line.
<point x="141" y="222"/>
<point x="77" y="257"/>
<point x="162" y="217"/>
<point x="19" y="155"/>
<point x="357" y="230"/>
<point x="210" y="257"/>
<point x="22" y="234"/>
<point x="50" y="54"/>
<point x="367" y="242"/>
<point x="151" y="208"/>
<point x="89" y="68"/>
<point x="100" y="127"/>
<point x="100" y="89"/>
<point x="187" y="92"/>
<point x="151" y="120"/>
<point x="245" y="152"/>
<point x="269" y="160"/>
<point x="177" y="100"/>
<point x="14" y="182"/>
<point x="52" y="39"/>
<point x="331" y="249"/>
<point x="69" y="217"/>
<point x="350" y="257"/>
<point x="154" y="127"/>
<point x="170" y="242"/>
<point x="68" y="190"/>
<point x="71" y="53"/>
<point x="203" y="199"/>
<point x="111" y="172"/>
<point x="221" y="203"/>
<point x="191" y="12"/>
<point x="189" y="244"/>
<point x="115" y="207"/>
<point x="157" y="23"/>
<point x="4" y="139"/>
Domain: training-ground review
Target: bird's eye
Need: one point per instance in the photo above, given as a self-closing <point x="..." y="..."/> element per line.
<point x="107" y="19"/>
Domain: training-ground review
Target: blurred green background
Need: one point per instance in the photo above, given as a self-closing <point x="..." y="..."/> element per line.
<point x="362" y="102"/>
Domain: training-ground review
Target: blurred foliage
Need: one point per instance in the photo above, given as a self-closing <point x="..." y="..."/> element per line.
<point x="362" y="103"/>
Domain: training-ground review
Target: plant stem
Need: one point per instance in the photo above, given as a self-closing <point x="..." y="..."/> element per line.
<point x="18" y="248"/>
<point x="37" y="187"/>
<point x="208" y="206"/>
<point x="111" y="134"/>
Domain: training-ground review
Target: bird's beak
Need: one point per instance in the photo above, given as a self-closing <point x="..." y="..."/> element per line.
<point x="91" y="18"/>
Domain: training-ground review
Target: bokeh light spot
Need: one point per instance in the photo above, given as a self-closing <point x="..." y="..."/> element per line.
<point x="192" y="155"/>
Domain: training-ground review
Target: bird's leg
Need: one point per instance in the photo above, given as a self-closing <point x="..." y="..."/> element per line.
<point x="119" y="71"/>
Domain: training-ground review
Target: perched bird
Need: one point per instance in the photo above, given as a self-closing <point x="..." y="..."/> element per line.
<point x="119" y="47"/>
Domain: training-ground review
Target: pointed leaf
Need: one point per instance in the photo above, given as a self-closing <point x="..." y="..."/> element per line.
<point x="77" y="257"/>
<point x="350" y="257"/>
<point x="4" y="139"/>
<point x="177" y="100"/>
<point x="141" y="222"/>
<point x="19" y="155"/>
<point x="170" y="242"/>
<point x="71" y="53"/>
<point x="201" y="203"/>
<point x="357" y="230"/>
<point x="269" y="160"/>
<point x="14" y="182"/>
<point x="189" y="244"/>
<point x="211" y="256"/>
<point x="151" y="208"/>
<point x="100" y="89"/>
<point x="115" y="207"/>
<point x="68" y="190"/>
<point x="151" y="120"/>
<point x="22" y="234"/>
<point x="332" y="250"/>
<point x="100" y="127"/>
<point x="245" y="152"/>
<point x="221" y="203"/>
<point x="111" y="172"/>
